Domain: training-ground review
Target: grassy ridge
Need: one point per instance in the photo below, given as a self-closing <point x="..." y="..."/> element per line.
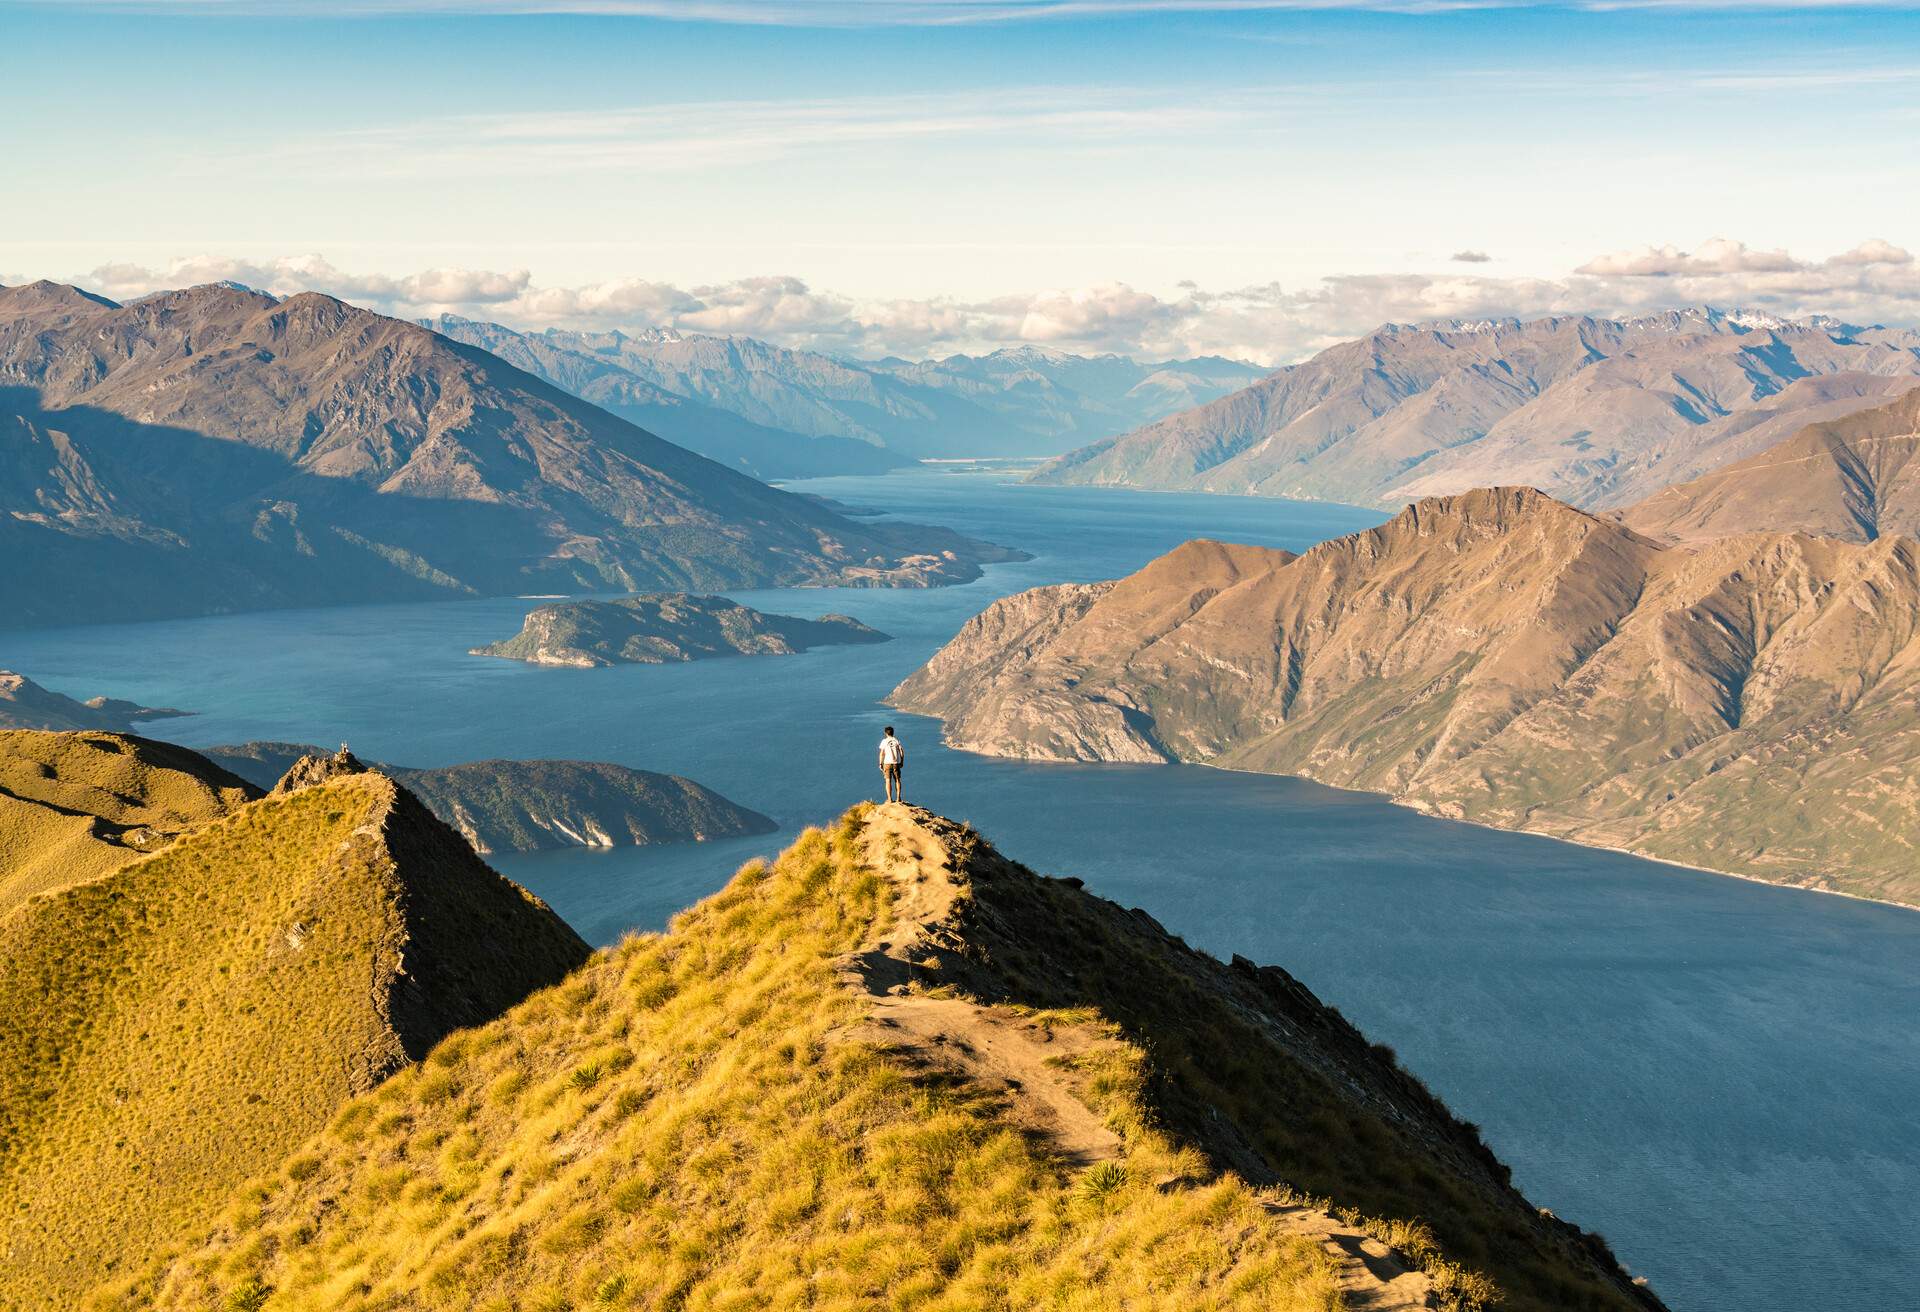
<point x="76" y="805"/>
<point x="171" y="1028"/>
<point x="706" y="1119"/>
<point x="685" y="1123"/>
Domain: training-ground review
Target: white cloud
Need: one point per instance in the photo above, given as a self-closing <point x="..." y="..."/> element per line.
<point x="1874" y="251"/>
<point x="1716" y="256"/>
<point x="1874" y="282"/>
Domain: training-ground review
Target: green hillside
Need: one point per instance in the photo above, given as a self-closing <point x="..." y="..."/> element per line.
<point x="893" y="1069"/>
<point x="171" y="1028"/>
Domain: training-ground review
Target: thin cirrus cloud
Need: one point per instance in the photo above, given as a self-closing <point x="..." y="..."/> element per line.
<point x="703" y="135"/>
<point x="910" y="13"/>
<point x="1872" y="282"/>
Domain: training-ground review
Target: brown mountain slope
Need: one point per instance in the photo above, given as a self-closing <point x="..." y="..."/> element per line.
<point x="177" y="1025"/>
<point x="1749" y="706"/>
<point x="1856" y="478"/>
<point x="76" y="805"/>
<point x="218" y="449"/>
<point x="1596" y="411"/>
<point x="894" y="1068"/>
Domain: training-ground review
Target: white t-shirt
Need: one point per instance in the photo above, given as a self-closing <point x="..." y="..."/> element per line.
<point x="891" y="752"/>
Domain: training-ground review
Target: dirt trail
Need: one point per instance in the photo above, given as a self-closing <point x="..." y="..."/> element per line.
<point x="1017" y="1056"/>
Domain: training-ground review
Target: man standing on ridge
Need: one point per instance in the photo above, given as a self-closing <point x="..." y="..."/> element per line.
<point x="893" y="759"/>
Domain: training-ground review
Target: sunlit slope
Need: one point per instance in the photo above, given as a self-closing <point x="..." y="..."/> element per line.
<point x="1747" y="705"/>
<point x="76" y="805"/>
<point x="893" y="1069"/>
<point x="169" y="1029"/>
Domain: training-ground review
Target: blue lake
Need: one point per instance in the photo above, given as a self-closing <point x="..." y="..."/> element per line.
<point x="1719" y="1076"/>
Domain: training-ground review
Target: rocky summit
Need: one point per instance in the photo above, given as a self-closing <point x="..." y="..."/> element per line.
<point x="219" y="449"/>
<point x="1748" y="705"/>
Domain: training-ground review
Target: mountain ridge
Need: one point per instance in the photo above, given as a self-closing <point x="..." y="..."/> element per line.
<point x="1500" y="657"/>
<point x="183" y="1020"/>
<point x="1596" y="411"/>
<point x="1855" y="478"/>
<point x="945" y="1037"/>
<point x="1017" y="401"/>
<point x="216" y="449"/>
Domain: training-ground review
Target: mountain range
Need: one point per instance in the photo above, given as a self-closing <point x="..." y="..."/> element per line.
<point x="780" y="412"/>
<point x="219" y="449"/>
<point x="1596" y="412"/>
<point x="1750" y="705"/>
<point x="1856" y="478"/>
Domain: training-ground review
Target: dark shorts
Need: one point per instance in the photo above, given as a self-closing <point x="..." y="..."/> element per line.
<point x="891" y="771"/>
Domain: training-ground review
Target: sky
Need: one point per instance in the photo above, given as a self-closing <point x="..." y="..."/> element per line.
<point x="917" y="177"/>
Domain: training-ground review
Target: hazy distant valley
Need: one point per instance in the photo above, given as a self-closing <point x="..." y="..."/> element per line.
<point x="781" y="413"/>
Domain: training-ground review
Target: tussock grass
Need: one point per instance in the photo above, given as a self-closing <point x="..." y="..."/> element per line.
<point x="74" y="806"/>
<point x="171" y="1028"/>
<point x="687" y="1123"/>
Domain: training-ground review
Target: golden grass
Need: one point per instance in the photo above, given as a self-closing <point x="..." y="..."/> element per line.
<point x="178" y="1025"/>
<point x="685" y="1124"/>
<point x="75" y="805"/>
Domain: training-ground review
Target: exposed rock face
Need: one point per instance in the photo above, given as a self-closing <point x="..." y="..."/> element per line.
<point x="217" y="449"/>
<point x="1856" y="478"/>
<point x="528" y="806"/>
<point x="24" y="704"/>
<point x="178" y="1025"/>
<point x="667" y="627"/>
<point x="318" y="768"/>
<point x="1024" y="401"/>
<point x="1599" y="412"/>
<point x="1749" y="706"/>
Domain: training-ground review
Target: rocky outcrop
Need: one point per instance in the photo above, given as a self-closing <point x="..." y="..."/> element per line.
<point x="317" y="768"/>
<point x="1747" y="706"/>
<point x="668" y="627"/>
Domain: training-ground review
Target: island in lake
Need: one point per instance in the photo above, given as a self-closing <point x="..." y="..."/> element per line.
<point x="662" y="627"/>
